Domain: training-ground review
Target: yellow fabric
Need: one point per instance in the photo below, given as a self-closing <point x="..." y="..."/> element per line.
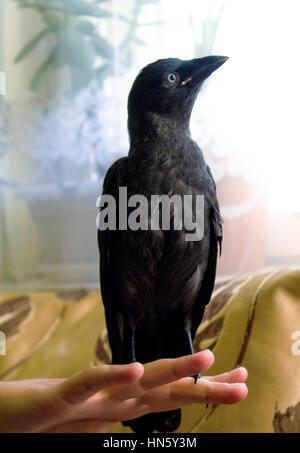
<point x="250" y="321"/>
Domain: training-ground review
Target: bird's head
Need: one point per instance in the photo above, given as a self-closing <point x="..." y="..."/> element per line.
<point x="164" y="92"/>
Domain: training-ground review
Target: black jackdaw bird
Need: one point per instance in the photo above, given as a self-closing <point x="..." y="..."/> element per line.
<point x="155" y="283"/>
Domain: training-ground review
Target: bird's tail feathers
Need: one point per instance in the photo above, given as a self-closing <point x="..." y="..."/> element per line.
<point x="168" y="340"/>
<point x="159" y="421"/>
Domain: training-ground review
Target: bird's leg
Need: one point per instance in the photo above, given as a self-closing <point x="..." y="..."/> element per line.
<point x="189" y="336"/>
<point x="132" y="353"/>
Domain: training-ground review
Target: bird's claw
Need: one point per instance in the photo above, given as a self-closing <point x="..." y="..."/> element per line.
<point x="196" y="377"/>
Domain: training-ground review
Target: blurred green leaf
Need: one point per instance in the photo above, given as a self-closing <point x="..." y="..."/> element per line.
<point x="80" y="79"/>
<point x="102" y="47"/>
<point x="31" y="44"/>
<point x="84" y="8"/>
<point x="85" y="27"/>
<point x="78" y="42"/>
<point x="23" y="2"/>
<point x="41" y="7"/>
<point x="76" y="50"/>
<point x="53" y="19"/>
<point x="70" y="7"/>
<point x="52" y="62"/>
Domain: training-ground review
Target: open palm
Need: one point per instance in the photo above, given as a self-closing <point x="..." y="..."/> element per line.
<point x="95" y="399"/>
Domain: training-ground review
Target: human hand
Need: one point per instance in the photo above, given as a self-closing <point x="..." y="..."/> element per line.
<point x="95" y="399"/>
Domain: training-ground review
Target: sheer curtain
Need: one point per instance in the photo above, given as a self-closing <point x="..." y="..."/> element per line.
<point x="61" y="137"/>
<point x="21" y="238"/>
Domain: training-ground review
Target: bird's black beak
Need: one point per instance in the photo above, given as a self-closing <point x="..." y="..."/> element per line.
<point x="194" y="72"/>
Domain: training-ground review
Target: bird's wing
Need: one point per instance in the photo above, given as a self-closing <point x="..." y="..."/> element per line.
<point x="208" y="281"/>
<point x="216" y="216"/>
<point x="106" y="242"/>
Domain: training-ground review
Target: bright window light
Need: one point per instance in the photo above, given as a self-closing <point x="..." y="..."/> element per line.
<point x="252" y="105"/>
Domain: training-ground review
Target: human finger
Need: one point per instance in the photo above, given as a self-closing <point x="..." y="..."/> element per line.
<point x="237" y="375"/>
<point x="165" y="371"/>
<point x="85" y="384"/>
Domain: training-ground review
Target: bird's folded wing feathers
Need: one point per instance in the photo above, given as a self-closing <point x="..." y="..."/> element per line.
<point x="112" y="182"/>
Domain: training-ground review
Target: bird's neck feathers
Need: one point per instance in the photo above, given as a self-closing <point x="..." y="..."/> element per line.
<point x="148" y="126"/>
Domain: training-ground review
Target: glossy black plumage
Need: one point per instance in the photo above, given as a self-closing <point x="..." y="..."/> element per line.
<point x="155" y="284"/>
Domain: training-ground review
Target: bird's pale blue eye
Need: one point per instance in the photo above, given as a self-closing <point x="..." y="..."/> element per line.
<point x="172" y="77"/>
